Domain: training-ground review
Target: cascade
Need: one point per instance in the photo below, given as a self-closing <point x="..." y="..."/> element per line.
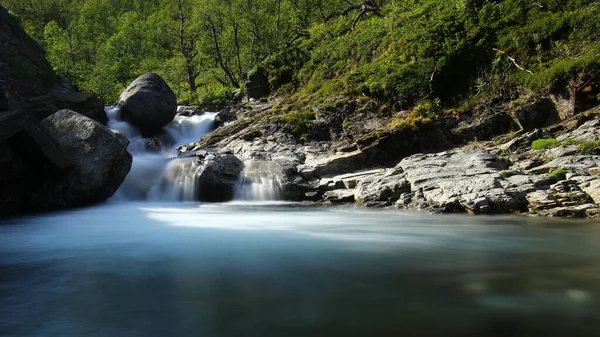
<point x="260" y="180"/>
<point x="155" y="174"/>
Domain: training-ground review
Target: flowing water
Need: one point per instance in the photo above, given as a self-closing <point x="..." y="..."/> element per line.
<point x="156" y="267"/>
<point x="156" y="176"/>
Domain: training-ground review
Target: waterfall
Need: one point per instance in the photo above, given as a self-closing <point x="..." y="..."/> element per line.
<point x="260" y="180"/>
<point x="154" y="174"/>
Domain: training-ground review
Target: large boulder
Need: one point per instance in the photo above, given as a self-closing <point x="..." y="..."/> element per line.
<point x="100" y="162"/>
<point x="148" y="103"/>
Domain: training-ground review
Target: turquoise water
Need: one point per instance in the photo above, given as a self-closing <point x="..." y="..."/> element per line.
<point x="275" y="269"/>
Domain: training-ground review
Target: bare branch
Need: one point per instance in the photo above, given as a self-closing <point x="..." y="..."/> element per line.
<point x="513" y="61"/>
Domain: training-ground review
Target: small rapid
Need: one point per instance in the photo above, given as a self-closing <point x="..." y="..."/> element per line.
<point x="157" y="175"/>
<point x="152" y="157"/>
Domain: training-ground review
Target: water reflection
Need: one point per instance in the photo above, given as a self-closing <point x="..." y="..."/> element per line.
<point x="286" y="270"/>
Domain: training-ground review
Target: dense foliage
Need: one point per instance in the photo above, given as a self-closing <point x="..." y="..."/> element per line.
<point x="443" y="55"/>
<point x="202" y="47"/>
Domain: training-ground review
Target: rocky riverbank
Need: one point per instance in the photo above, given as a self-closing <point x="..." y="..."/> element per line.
<point x="534" y="155"/>
<point x="428" y="169"/>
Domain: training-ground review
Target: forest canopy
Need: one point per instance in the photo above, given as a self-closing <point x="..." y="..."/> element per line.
<point x="402" y="52"/>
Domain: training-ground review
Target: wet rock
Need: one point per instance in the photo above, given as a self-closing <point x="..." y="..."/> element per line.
<point x="159" y="142"/>
<point x="189" y="111"/>
<point x="148" y="103"/>
<point x="217" y="176"/>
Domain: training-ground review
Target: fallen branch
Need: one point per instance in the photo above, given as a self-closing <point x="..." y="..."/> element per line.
<point x="513" y="61"/>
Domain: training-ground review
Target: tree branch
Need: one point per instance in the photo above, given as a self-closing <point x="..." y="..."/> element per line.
<point x="513" y="61"/>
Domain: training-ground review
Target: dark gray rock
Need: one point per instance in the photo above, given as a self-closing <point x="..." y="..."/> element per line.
<point x="224" y="116"/>
<point x="148" y="103"/>
<point x="484" y="126"/>
<point x="101" y="162"/>
<point x="536" y="114"/>
<point x="189" y="111"/>
<point x="217" y="177"/>
<point x="64" y="96"/>
<point x="257" y="85"/>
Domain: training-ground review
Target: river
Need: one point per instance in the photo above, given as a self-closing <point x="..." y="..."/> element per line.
<point x="275" y="269"/>
<point x="166" y="267"/>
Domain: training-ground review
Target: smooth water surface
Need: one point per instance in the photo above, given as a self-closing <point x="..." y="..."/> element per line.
<point x="269" y="269"/>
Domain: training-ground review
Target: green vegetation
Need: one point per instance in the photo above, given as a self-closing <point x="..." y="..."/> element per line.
<point x="559" y="174"/>
<point x="299" y="122"/>
<point x="427" y="57"/>
<point x="504" y="175"/>
<point x="585" y="147"/>
<point x="203" y="48"/>
<point x="543" y="144"/>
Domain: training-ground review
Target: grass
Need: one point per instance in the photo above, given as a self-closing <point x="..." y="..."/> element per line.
<point x="585" y="147"/>
<point x="543" y="144"/>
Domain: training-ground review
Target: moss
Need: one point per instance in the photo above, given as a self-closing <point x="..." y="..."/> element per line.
<point x="585" y="147"/>
<point x="299" y="122"/>
<point x="504" y="175"/>
<point x="559" y="174"/>
<point x="542" y="144"/>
